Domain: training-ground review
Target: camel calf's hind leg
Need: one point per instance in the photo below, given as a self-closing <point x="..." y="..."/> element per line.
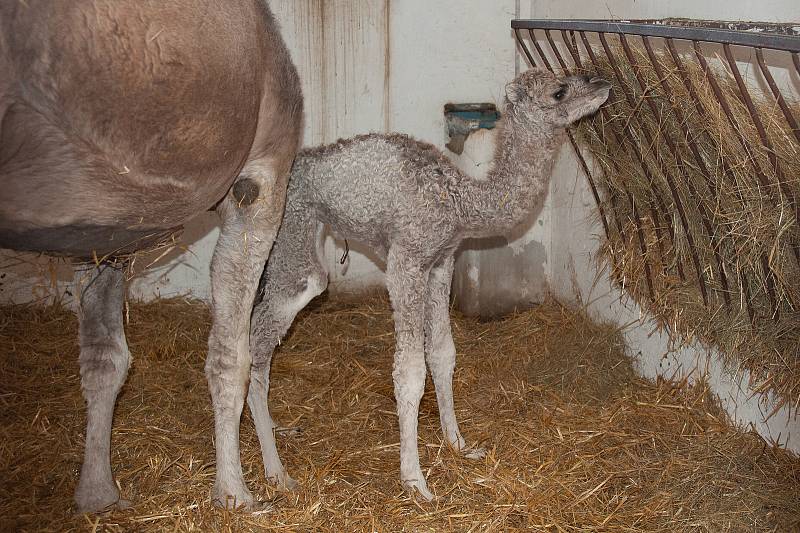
<point x="251" y="214"/>
<point x="104" y="362"/>
<point x="293" y="277"/>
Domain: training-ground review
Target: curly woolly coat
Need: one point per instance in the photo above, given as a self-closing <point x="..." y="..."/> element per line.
<point x="413" y="207"/>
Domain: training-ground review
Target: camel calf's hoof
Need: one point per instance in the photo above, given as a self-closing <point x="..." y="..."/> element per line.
<point x="119" y="505"/>
<point x="91" y="499"/>
<point x="240" y="499"/>
<point x="416" y="487"/>
<point x="284" y="482"/>
<point x="474" y="453"/>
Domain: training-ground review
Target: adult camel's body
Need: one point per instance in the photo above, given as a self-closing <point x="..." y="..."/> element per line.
<point x="120" y="121"/>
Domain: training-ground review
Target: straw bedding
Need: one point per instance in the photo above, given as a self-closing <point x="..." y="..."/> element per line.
<point x="576" y="442"/>
<point x="743" y="228"/>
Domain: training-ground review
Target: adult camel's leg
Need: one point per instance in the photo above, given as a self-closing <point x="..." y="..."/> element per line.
<point x="104" y="362"/>
<point x="251" y="214"/>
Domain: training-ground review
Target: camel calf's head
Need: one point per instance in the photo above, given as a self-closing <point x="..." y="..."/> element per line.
<point x="540" y="99"/>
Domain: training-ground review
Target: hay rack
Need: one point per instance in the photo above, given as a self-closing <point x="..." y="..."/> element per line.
<point x="697" y="174"/>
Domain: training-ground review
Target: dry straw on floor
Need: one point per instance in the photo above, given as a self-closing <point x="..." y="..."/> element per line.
<point x="576" y="442"/>
<point x="746" y="234"/>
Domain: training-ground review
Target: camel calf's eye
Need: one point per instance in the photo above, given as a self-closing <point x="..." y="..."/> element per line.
<point x="560" y="94"/>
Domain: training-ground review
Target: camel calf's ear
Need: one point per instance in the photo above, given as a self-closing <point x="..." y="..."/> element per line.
<point x="516" y="93"/>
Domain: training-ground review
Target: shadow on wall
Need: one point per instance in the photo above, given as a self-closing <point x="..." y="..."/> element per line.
<point x="497" y="275"/>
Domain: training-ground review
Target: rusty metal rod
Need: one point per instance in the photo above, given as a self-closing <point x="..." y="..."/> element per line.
<point x="702" y="112"/>
<point x="614" y="207"/>
<point x="698" y="104"/>
<point x="726" y="108"/>
<point x="637" y="219"/>
<point x="540" y="51"/>
<point x="723" y="102"/>
<point x="682" y="120"/>
<point x="790" y="120"/>
<point x="576" y="149"/>
<point x="781" y="101"/>
<point x="751" y="108"/>
<point x="662" y="167"/>
<point x="701" y="208"/>
<point x="571" y="46"/>
<point x="629" y="146"/>
<point x="583" y="163"/>
<point x="592" y="186"/>
<point x="524" y="48"/>
<point x="744" y="96"/>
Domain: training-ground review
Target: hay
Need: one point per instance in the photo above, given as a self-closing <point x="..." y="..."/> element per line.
<point x="745" y="234"/>
<point x="576" y="442"/>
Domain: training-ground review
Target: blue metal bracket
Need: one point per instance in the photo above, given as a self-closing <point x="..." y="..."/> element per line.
<point x="463" y="119"/>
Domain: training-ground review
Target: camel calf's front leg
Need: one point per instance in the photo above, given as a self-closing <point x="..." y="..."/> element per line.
<point x="406" y="281"/>
<point x="251" y="214"/>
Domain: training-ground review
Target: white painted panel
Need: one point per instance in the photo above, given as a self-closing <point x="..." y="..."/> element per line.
<point x="447" y="51"/>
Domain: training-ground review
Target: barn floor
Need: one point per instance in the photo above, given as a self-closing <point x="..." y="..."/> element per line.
<point x="576" y="442"/>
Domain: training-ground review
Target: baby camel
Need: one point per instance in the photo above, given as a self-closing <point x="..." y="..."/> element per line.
<point x="413" y="207"/>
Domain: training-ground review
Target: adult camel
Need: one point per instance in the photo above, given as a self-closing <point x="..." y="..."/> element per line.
<point x="120" y="121"/>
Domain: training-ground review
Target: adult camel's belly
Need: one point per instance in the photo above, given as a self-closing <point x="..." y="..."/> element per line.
<point x="120" y="121"/>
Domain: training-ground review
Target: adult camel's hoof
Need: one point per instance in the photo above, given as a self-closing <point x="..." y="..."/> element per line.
<point x="91" y="499"/>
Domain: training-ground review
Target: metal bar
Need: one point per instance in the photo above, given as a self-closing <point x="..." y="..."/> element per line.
<point x="723" y="102"/>
<point x="796" y="61"/>
<point x="777" y="93"/>
<point x="524" y="47"/>
<point x="592" y="186"/>
<point x="771" y="156"/>
<point x="700" y="109"/>
<point x="571" y="46"/>
<point x="667" y="175"/>
<point x="698" y="104"/>
<point x="573" y="50"/>
<point x="555" y="51"/>
<point x="580" y="155"/>
<point x="628" y="145"/>
<point x="540" y="51"/>
<point x="714" y="35"/>
<point x="585" y="167"/>
<point x="744" y="95"/>
<point x="653" y="212"/>
<point x="701" y="208"/>
<point x="648" y="276"/>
